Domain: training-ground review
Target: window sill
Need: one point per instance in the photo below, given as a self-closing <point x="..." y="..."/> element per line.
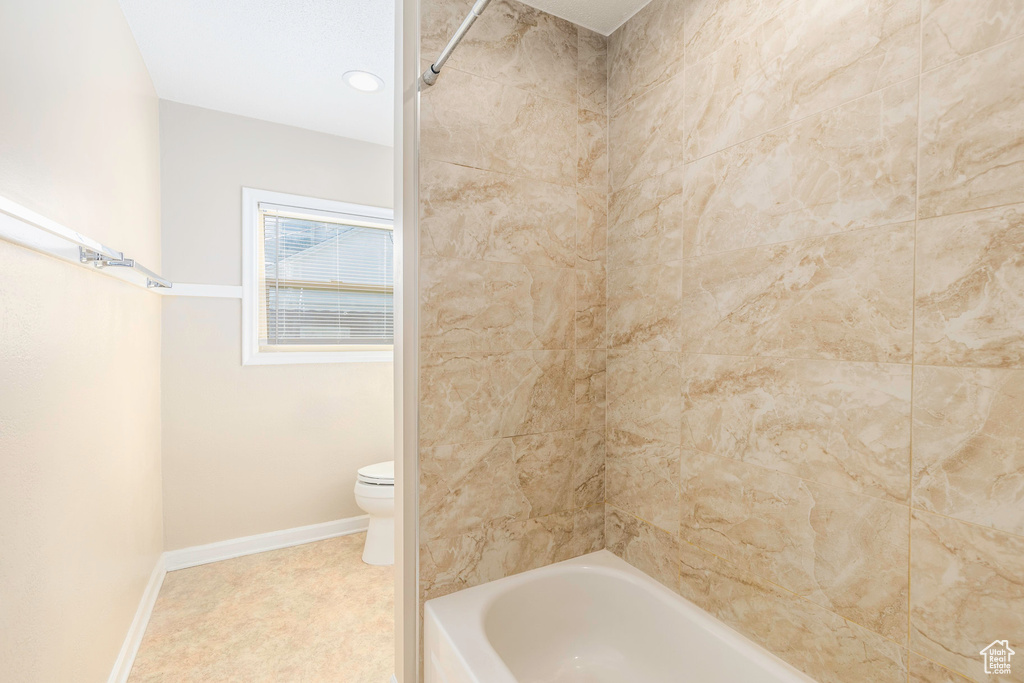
<point x="318" y="357"/>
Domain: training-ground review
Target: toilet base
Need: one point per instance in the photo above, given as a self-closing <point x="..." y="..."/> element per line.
<point x="379" y="549"/>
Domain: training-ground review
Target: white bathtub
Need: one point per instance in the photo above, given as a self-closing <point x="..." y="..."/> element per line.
<point x="594" y="619"/>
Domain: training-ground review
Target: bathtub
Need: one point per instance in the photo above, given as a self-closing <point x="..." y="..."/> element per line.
<point x="594" y="619"/>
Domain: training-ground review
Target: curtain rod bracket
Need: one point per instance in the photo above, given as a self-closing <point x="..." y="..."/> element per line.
<point x="430" y="75"/>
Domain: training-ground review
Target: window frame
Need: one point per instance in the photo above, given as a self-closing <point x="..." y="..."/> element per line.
<point x="251" y="353"/>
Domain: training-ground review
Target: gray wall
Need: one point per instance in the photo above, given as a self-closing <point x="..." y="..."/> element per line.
<point x="254" y="449"/>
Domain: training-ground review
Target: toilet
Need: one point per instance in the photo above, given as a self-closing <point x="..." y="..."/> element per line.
<point x="375" y="495"/>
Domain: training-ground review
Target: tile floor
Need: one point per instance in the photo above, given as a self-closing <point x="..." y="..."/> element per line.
<point x="313" y="613"/>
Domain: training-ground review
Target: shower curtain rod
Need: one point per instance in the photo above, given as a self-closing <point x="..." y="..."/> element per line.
<point x="431" y="74"/>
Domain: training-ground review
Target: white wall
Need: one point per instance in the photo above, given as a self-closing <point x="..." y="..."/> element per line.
<point x="80" y="507"/>
<point x="260" y="448"/>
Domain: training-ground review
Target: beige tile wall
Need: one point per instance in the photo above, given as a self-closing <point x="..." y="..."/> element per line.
<point x="787" y="273"/>
<point x="513" y="221"/>
<point x="815" y="372"/>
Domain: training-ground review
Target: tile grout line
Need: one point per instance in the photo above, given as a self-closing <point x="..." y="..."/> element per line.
<point x="782" y="473"/>
<point x="607" y="235"/>
<point x="774" y="129"/>
<point x="488" y="524"/>
<point x="759" y="576"/>
<point x="793" y="593"/>
<point x="789" y="359"/>
<point x="956" y="673"/>
<point x="527" y="265"/>
<point x="476" y="442"/>
<point x="802" y="119"/>
<point x="795" y="240"/>
<point x="962" y="58"/>
<point x="993" y="207"/>
<point x="574" y="462"/>
<point x="484" y="169"/>
<point x="915" y="218"/>
<point x="682" y="378"/>
<point x="793" y="359"/>
<point x="909" y="504"/>
<point x="976" y="525"/>
<point x="913" y="331"/>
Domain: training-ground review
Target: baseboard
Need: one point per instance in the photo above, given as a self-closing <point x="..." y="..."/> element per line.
<point x="214" y="552"/>
<point x="126" y="657"/>
<point x="249" y="545"/>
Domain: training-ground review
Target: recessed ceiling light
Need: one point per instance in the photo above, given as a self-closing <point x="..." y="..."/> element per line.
<point x="363" y="81"/>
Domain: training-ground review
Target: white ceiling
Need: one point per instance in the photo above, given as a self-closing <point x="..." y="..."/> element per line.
<point x="276" y="60"/>
<point x="603" y="16"/>
<point x="282" y="60"/>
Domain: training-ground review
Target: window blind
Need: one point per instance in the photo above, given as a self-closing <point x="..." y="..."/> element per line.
<point x="324" y="282"/>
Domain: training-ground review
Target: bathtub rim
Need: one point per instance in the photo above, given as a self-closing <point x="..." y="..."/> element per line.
<point x="459" y="618"/>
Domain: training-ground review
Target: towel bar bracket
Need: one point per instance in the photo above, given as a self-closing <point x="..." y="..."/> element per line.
<point x="103" y="261"/>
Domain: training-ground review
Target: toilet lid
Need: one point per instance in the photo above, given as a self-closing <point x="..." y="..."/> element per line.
<point x="382" y="474"/>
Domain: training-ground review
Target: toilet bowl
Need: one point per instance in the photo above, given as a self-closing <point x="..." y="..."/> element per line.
<point x="375" y="495"/>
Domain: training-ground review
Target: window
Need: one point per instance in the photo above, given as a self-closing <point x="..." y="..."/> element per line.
<point x="318" y="280"/>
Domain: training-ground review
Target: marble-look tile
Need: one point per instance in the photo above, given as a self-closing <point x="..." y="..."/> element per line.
<point x="473" y="214"/>
<point x="645" y="394"/>
<point x="511" y="42"/>
<point x="646" y="547"/>
<point x="646" y="51"/>
<point x="544" y="465"/>
<point x="540" y="391"/>
<point x="843" y="297"/>
<point x="972" y="132"/>
<point x="843" y="551"/>
<point x="969" y="445"/>
<point x="591" y="309"/>
<point x="588" y="530"/>
<point x="970" y="275"/>
<point x="710" y="24"/>
<point x="463" y="486"/>
<point x="811" y="638"/>
<point x="592" y="145"/>
<point x="479" y="396"/>
<point x="642" y="478"/>
<point x="593" y="71"/>
<point x="646" y="222"/>
<point x="591" y="228"/>
<point x="848" y="168"/>
<point x="485" y="306"/>
<point x="474" y="121"/>
<point x="644" y="307"/>
<point x="591" y="381"/>
<point x="953" y="29"/>
<point x="968" y="590"/>
<point x="646" y="136"/>
<point x="589" y="469"/>
<point x="493" y="551"/>
<point x="809" y="57"/>
<point x="926" y="671"/>
<point x="834" y="422"/>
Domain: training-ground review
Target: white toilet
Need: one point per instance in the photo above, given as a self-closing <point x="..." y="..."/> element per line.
<point x="375" y="495"/>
